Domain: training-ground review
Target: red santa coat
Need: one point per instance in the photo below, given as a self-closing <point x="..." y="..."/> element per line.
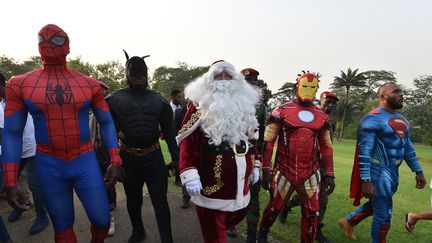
<point x="224" y="176"/>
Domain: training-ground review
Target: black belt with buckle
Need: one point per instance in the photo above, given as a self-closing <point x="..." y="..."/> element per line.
<point x="140" y="151"/>
<point x="224" y="148"/>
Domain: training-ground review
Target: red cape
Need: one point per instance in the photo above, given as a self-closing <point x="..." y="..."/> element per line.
<point x="356" y="183"/>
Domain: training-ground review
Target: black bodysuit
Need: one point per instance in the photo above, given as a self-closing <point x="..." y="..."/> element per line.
<point x="140" y="115"/>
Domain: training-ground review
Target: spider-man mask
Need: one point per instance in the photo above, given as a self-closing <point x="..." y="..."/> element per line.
<point x="53" y="44"/>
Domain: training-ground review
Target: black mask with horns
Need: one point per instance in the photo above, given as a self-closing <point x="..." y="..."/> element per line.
<point x="136" y="71"/>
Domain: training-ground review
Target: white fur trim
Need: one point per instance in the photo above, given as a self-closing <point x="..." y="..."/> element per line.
<point x="189" y="175"/>
<point x="241" y="174"/>
<point x="221" y="66"/>
<point x="227" y="205"/>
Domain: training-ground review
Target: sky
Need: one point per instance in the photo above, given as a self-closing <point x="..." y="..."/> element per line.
<point x="279" y="38"/>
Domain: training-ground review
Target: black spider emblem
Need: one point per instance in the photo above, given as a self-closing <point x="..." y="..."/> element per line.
<point x="58" y="94"/>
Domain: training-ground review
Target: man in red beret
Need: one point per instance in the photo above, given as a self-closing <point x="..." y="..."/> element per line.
<point x="251" y="75"/>
<point x="253" y="214"/>
<point x="328" y="101"/>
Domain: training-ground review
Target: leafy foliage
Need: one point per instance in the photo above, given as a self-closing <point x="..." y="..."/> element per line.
<point x="112" y="73"/>
<point x="419" y="110"/>
<point x="357" y="90"/>
<point x="11" y="67"/>
<point x="165" y="79"/>
<point x="348" y="80"/>
<point x="285" y="93"/>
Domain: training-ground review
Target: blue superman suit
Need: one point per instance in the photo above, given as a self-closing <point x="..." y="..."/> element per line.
<point x="383" y="142"/>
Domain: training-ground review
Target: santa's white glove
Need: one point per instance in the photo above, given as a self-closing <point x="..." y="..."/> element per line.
<point x="255" y="175"/>
<point x="194" y="187"/>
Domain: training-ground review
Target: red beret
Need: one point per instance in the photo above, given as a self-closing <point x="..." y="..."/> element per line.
<point x="249" y="72"/>
<point x="328" y="94"/>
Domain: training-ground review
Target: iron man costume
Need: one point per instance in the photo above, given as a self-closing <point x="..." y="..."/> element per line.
<point x="59" y="101"/>
<point x="300" y="128"/>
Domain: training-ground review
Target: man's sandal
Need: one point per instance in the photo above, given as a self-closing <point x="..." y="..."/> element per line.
<point x="409" y="227"/>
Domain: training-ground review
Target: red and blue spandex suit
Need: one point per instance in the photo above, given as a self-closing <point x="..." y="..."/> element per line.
<point x="383" y="143"/>
<point x="59" y="101"/>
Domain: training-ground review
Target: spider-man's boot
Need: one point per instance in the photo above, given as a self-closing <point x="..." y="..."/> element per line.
<point x="65" y="236"/>
<point x="98" y="234"/>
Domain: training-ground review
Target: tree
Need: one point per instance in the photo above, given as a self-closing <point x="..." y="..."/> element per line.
<point x="351" y="116"/>
<point x="365" y="98"/>
<point x="418" y="109"/>
<point x="79" y="65"/>
<point x="166" y="78"/>
<point x="347" y="80"/>
<point x="34" y="62"/>
<point x="111" y="73"/>
<point x="374" y="79"/>
<point x="285" y="93"/>
<point x="10" y="67"/>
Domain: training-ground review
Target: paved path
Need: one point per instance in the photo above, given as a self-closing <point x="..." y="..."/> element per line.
<point x="184" y="223"/>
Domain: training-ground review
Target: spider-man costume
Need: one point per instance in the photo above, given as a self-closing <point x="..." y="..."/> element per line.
<point x="383" y="142"/>
<point x="59" y="101"/>
<point x="300" y="127"/>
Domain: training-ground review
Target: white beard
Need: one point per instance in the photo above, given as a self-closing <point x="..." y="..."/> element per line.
<point x="227" y="107"/>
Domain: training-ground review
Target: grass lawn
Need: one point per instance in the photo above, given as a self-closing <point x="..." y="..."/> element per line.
<point x="407" y="199"/>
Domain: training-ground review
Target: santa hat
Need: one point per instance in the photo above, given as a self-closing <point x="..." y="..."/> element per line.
<point x="220" y="65"/>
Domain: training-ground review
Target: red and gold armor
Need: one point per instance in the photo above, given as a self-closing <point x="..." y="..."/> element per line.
<point x="300" y="129"/>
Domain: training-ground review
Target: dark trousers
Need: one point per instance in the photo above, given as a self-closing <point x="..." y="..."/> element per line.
<point x="34" y="186"/>
<point x="4" y="233"/>
<point x="110" y="190"/>
<point x="253" y="214"/>
<point x="149" y="169"/>
<point x="186" y="195"/>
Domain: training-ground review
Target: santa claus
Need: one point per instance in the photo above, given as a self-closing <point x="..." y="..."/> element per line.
<point x="217" y="148"/>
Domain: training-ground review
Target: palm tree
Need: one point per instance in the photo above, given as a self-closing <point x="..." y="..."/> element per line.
<point x="285" y="93"/>
<point x="348" y="80"/>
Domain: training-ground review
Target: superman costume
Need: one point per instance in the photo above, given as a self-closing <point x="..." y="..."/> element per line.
<point x="382" y="143"/>
<point x="59" y="101"/>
